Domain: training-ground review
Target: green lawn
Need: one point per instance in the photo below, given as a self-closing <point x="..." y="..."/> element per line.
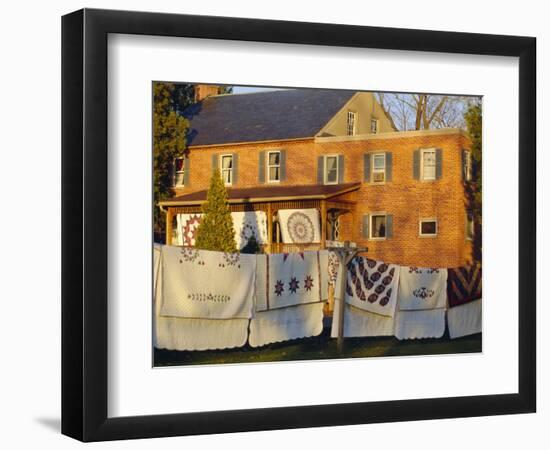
<point x="321" y="347"/>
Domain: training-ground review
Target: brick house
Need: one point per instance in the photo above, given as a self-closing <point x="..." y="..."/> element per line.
<point x="400" y="194"/>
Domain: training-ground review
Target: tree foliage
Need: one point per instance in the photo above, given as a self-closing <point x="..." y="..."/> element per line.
<point x="169" y="142"/>
<point x="423" y="111"/>
<point x="215" y="231"/>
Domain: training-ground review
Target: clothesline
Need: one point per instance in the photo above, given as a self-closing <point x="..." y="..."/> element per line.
<point x="268" y="298"/>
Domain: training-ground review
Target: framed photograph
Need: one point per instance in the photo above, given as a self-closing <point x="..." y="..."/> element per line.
<point x="273" y="225"/>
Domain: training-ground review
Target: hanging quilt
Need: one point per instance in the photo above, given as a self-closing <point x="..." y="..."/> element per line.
<point x="464" y="319"/>
<point x="207" y="285"/>
<point x="187" y="228"/>
<point x="422" y="288"/>
<point x="299" y="226"/>
<point x="464" y="285"/>
<point x="176" y="333"/>
<point x="288" y="279"/>
<point x="284" y="324"/>
<point x="372" y="285"/>
<point x="358" y="323"/>
<point x="249" y="224"/>
<point x="420" y="324"/>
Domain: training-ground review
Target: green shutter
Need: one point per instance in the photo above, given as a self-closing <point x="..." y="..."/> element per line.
<point x="214" y="163"/>
<point x="416" y="164"/>
<point x="389" y="225"/>
<point x="438" y="163"/>
<point x="365" y="227"/>
<point x="340" y="169"/>
<point x="186" y="170"/>
<point x="389" y="166"/>
<point x="235" y="164"/>
<point x="320" y="170"/>
<point x="282" y="172"/>
<point x="366" y="167"/>
<point x="261" y="167"/>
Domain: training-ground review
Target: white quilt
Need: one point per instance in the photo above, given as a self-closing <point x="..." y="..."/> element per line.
<point x="187" y="225"/>
<point x="247" y="224"/>
<point x="175" y="333"/>
<point x="422" y="288"/>
<point x="465" y="319"/>
<point x="359" y="323"/>
<point x="299" y="226"/>
<point x="372" y="286"/>
<point x="421" y="324"/>
<point x="284" y="324"/>
<point x="289" y="279"/>
<point x="203" y="284"/>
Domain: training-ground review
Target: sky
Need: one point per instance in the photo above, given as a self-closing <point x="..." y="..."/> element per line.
<point x="247" y="89"/>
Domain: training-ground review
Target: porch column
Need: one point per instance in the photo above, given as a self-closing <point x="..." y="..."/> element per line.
<point x="269" y="227"/>
<point x="323" y="224"/>
<point x="169" y="217"/>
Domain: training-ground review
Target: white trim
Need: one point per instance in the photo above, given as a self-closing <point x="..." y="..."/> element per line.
<point x="426" y="150"/>
<point x="468" y="164"/>
<point x="394" y="135"/>
<point x="428" y="219"/>
<point x="378" y="214"/>
<point x="325" y="168"/>
<point x="220" y="164"/>
<point x="274" y="165"/>
<point x="470" y="226"/>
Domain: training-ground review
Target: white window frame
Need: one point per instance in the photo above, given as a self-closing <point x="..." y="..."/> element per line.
<point x="222" y="170"/>
<point x="371" y="228"/>
<point x="351" y="117"/>
<point x="176" y="172"/>
<point x="470" y="226"/>
<point x="428" y="219"/>
<point x="377" y="125"/>
<point x="325" y="171"/>
<point x="374" y="170"/>
<point x="268" y="166"/>
<point x="468" y="164"/>
<point x="422" y="175"/>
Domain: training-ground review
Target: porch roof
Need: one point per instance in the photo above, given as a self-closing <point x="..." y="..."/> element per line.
<point x="268" y="194"/>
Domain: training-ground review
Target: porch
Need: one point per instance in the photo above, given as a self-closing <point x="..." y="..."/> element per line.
<point x="331" y="201"/>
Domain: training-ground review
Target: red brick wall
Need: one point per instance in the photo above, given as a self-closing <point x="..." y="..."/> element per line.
<point x="405" y="198"/>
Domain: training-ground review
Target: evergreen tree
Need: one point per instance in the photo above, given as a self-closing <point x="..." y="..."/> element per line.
<point x="215" y="231"/>
<point x="473" y="118"/>
<point x="169" y="142"/>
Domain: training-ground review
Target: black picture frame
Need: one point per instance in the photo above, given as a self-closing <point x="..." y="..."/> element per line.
<point x="84" y="224"/>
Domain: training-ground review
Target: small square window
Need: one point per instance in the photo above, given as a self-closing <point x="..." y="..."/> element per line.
<point x="428" y="227"/>
<point x="378" y="226"/>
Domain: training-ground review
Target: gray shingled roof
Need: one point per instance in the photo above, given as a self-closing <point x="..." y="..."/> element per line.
<point x="264" y="116"/>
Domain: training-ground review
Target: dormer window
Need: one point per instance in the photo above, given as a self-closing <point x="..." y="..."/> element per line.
<point x="352" y="116"/>
<point x="374" y="126"/>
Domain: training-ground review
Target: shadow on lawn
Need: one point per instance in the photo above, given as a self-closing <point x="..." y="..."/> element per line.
<point x="321" y="347"/>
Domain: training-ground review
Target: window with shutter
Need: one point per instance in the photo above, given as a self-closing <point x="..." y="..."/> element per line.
<point x="226" y="168"/>
<point x="428" y="164"/>
<point x="379" y="168"/>
<point x="331" y="169"/>
<point x="179" y="172"/>
<point x="377" y="226"/>
<point x="274" y="166"/>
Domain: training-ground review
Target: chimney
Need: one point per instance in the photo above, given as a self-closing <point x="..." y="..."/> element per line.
<point x="205" y="90"/>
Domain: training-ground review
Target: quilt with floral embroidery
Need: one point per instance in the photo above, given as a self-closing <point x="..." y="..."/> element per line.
<point x="422" y="288"/>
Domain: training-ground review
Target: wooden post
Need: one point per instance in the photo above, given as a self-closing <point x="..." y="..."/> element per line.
<point x="323" y="224"/>
<point x="345" y="255"/>
<point x="269" y="227"/>
<point x="169" y="218"/>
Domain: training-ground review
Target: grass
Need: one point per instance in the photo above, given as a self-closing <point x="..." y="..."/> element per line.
<point x="321" y="347"/>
